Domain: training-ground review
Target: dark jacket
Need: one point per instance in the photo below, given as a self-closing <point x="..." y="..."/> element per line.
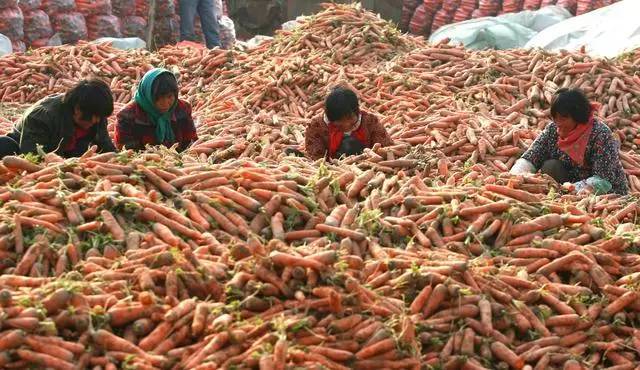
<point x="135" y="129"/>
<point x="50" y="124"/>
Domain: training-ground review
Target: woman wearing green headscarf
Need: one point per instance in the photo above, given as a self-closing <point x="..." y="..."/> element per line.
<point x="156" y="116"/>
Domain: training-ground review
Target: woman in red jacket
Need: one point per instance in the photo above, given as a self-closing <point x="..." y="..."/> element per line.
<point x="344" y="129"/>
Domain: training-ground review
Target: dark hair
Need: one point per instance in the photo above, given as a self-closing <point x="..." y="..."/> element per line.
<point x="571" y="103"/>
<point x="93" y="97"/>
<point x="165" y="84"/>
<point x="341" y="103"/>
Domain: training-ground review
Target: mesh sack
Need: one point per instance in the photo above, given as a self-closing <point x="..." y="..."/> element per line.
<point x="103" y="26"/>
<point x="227" y="32"/>
<point x="532" y="4"/>
<point x="71" y="27"/>
<point x="37" y="26"/>
<point x="52" y="41"/>
<point x="18" y="46"/>
<point x="547" y="3"/>
<point x="29" y="4"/>
<point x="134" y="26"/>
<point x="451" y="5"/>
<point x="58" y="6"/>
<point x="166" y="31"/>
<point x="511" y="6"/>
<point x="8" y="4"/>
<point x="164" y="8"/>
<point x="123" y="8"/>
<point x="408" y="8"/>
<point x="94" y="7"/>
<point x="570" y="5"/>
<point x="420" y="21"/>
<point x="12" y="23"/>
<point x="442" y="17"/>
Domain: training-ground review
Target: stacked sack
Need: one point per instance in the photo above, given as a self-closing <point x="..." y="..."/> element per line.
<point x="166" y="25"/>
<point x="37" y="24"/>
<point x="100" y="19"/>
<point x="423" y="17"/>
<point x="67" y="22"/>
<point x="131" y="24"/>
<point x="12" y="23"/>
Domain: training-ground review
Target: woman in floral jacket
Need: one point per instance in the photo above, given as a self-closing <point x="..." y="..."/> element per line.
<point x="576" y="148"/>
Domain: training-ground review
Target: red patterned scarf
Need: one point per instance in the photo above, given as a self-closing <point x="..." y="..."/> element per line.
<point x="575" y="145"/>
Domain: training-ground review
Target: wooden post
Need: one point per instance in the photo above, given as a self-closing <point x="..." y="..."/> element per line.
<point x="151" y="45"/>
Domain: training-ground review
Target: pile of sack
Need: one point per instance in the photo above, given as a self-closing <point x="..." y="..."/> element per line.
<point x="38" y="23"/>
<point x="423" y="17"/>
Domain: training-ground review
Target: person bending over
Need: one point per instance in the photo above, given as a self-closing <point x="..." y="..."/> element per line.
<point x="576" y="148"/>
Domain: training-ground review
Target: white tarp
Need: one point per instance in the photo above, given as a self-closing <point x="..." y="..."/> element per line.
<point x="507" y="31"/>
<point x="122" y="43"/>
<point x="5" y="45"/>
<point x="605" y="32"/>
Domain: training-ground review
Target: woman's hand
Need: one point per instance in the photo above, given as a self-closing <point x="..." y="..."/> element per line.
<point x="587" y="190"/>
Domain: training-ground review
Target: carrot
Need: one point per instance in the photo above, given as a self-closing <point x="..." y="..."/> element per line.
<point x="620" y="303"/>
<point x="44" y="348"/>
<point x="165" y="234"/>
<point x="503" y="353"/>
<point x="44" y="360"/>
<point x="12" y="339"/>
<point x="497" y="207"/>
<point x="290" y="260"/>
<point x="421" y="299"/>
<point x="112" y="225"/>
<point x="156" y="336"/>
<point x="17" y="163"/>
<point x="163" y="186"/>
<point x="241" y="199"/>
<point x="376" y="348"/>
<point x="438" y="295"/>
<point x="520" y="195"/>
<point x="343" y="232"/>
<point x="541" y="223"/>
<point x="563" y="320"/>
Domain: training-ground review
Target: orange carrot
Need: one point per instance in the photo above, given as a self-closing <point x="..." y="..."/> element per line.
<point x="503" y="353"/>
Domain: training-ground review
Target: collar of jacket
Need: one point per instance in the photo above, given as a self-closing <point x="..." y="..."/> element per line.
<point x="356" y="127"/>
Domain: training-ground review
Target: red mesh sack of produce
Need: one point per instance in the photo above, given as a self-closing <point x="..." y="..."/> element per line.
<point x="166" y="31"/>
<point x="12" y="23"/>
<point x="464" y="11"/>
<point x="408" y="8"/>
<point x="420" y="21"/>
<point x="71" y="27"/>
<point x="18" y="46"/>
<point x="442" y="18"/>
<point x="585" y="6"/>
<point x="432" y="6"/>
<point x="511" y="6"/>
<point x="103" y="26"/>
<point x="570" y="5"/>
<point x="164" y="8"/>
<point x="37" y="26"/>
<point x="489" y="8"/>
<point x="451" y="5"/>
<point x="94" y="7"/>
<point x="547" y="3"/>
<point x="134" y="26"/>
<point x="123" y="8"/>
<point x="532" y="4"/>
<point x="8" y="4"/>
<point x="26" y="5"/>
<point x="58" y="6"/>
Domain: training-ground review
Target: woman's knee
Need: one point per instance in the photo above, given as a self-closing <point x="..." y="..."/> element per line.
<point x="555" y="169"/>
<point x="8" y="146"/>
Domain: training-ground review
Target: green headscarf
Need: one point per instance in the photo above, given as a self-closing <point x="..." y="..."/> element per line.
<point x="144" y="98"/>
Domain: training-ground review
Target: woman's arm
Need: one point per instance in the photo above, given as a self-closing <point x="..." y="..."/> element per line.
<point x="379" y="134"/>
<point x="124" y="137"/>
<point x="314" y="140"/>
<point x="606" y="162"/>
<point x="188" y="133"/>
<point x="540" y="150"/>
<point x="103" y="141"/>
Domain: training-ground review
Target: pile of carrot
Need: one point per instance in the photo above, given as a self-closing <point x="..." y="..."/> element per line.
<point x="424" y="254"/>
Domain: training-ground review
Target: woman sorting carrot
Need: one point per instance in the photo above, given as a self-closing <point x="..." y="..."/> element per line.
<point x="67" y="124"/>
<point x="344" y="129"/>
<point x="576" y="148"/>
<point x="156" y="116"/>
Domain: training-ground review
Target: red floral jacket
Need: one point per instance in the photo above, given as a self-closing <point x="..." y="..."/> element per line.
<point x="135" y="129"/>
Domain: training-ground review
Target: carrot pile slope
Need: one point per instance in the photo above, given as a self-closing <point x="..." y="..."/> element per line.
<point x="424" y="254"/>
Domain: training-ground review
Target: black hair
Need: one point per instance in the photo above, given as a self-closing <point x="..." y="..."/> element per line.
<point x="571" y="103"/>
<point x="165" y="84"/>
<point x="341" y="103"/>
<point x="93" y="97"/>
